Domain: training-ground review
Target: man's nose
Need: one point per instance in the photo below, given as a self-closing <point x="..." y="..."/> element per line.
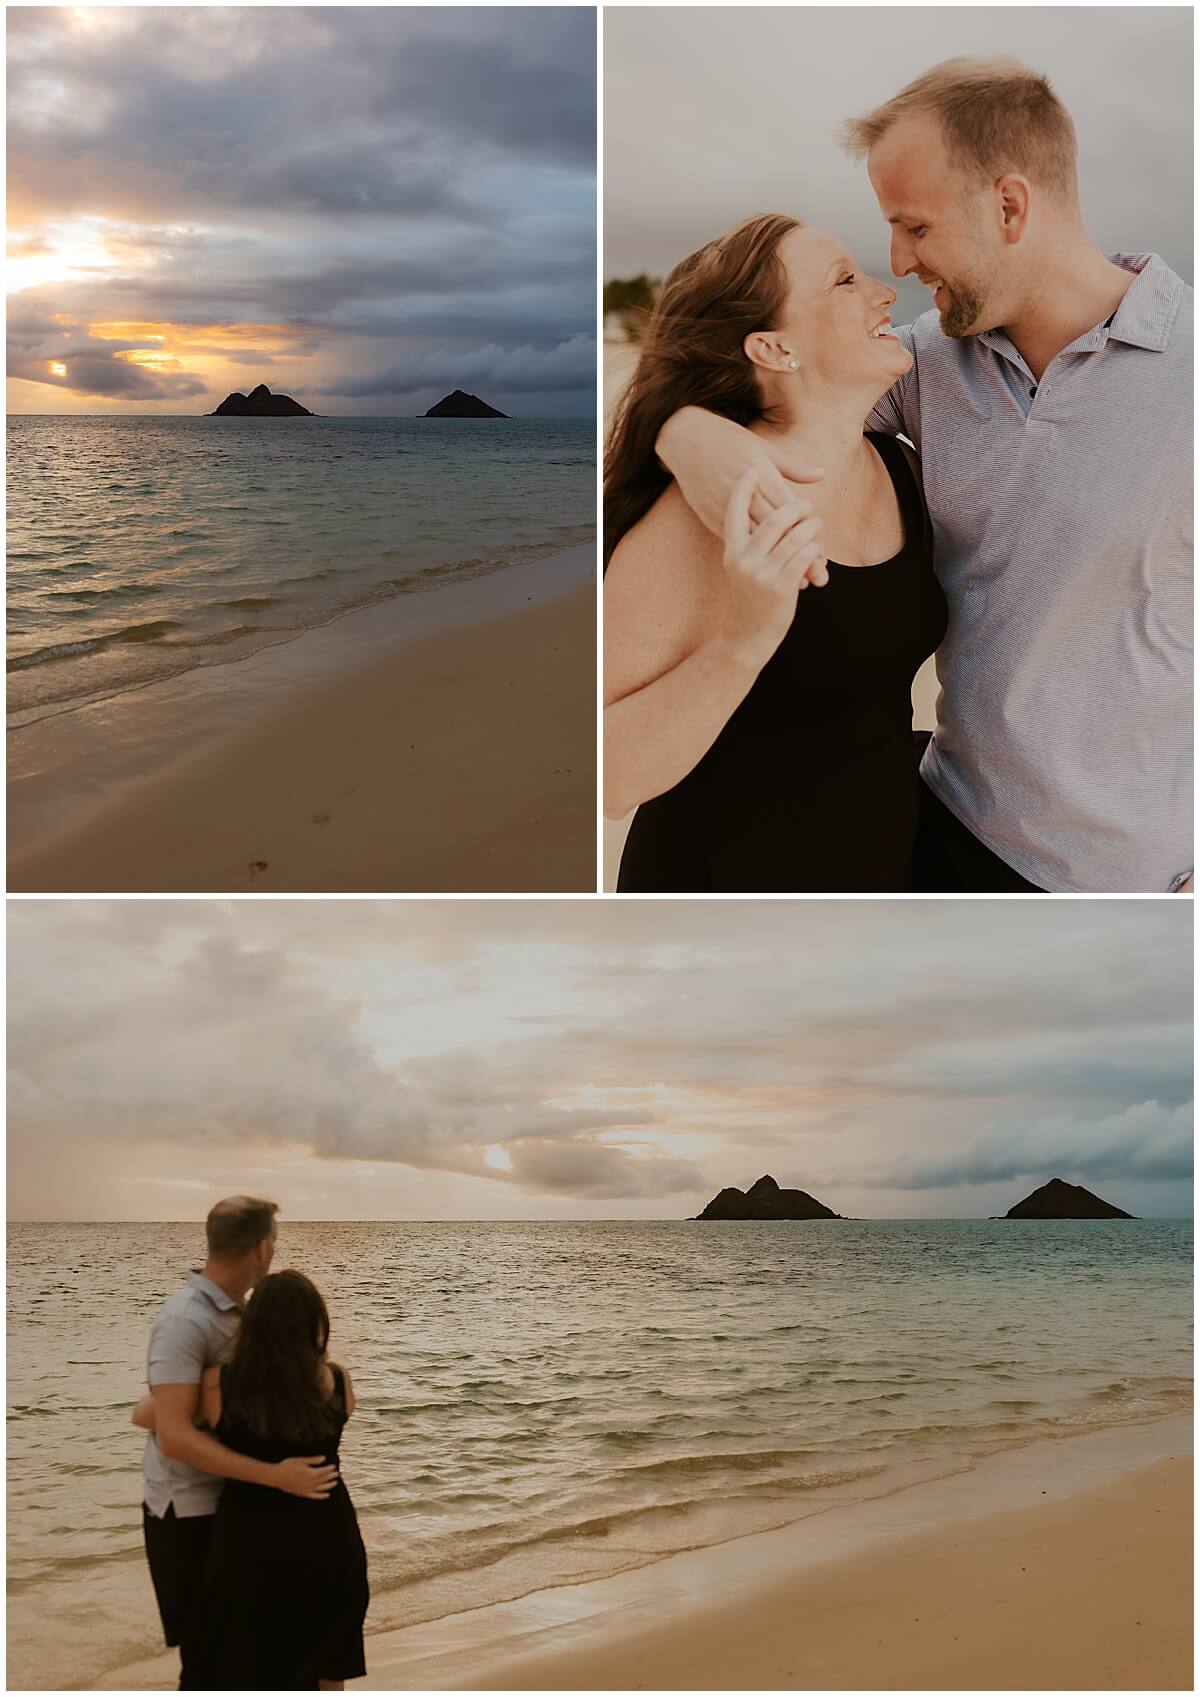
<point x="902" y="255"/>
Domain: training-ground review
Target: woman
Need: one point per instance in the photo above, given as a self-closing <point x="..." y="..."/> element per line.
<point x="765" y="734"/>
<point x="286" y="1577"/>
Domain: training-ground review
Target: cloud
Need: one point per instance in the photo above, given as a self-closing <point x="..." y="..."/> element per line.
<point x="569" y="366"/>
<point x="399" y="179"/>
<point x="1144" y="1141"/>
<point x="42" y="351"/>
<point x="644" y="1053"/>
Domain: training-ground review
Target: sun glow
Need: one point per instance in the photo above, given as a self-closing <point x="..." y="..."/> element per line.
<point x="69" y="254"/>
<point x="57" y="368"/>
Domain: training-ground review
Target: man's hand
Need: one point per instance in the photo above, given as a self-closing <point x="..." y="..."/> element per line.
<point x="767" y="565"/>
<point x="709" y="455"/>
<point x="305" y="1476"/>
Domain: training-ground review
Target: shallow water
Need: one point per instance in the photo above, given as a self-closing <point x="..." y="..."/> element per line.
<point x="542" y="1402"/>
<point x="139" y="548"/>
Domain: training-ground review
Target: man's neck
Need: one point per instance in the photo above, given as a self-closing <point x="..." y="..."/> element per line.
<point x="1079" y="289"/>
<point x="229" y="1279"/>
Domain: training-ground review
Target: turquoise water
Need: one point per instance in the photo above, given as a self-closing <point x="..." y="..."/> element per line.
<point x="542" y="1402"/>
<point x="139" y="548"/>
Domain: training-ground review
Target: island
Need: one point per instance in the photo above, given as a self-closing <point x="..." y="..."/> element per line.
<point x="461" y="405"/>
<point x="765" y="1201"/>
<point x="1058" y="1200"/>
<point x="260" y="403"/>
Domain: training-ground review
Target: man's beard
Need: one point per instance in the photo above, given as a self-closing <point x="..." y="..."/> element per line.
<point x="965" y="309"/>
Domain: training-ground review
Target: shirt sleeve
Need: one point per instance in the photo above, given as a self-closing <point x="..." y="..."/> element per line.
<point x="896" y="412"/>
<point x="178" y="1352"/>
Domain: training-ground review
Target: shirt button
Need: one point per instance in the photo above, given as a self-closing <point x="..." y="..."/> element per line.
<point x="1033" y="394"/>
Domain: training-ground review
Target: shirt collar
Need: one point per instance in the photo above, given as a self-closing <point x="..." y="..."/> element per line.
<point x="213" y="1292"/>
<point x="1144" y="319"/>
<point x="1146" y="316"/>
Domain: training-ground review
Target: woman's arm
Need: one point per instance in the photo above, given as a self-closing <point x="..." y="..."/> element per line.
<point x="687" y="629"/>
<point x="208" y="1413"/>
<point x="347" y="1387"/>
<point x="210" y="1397"/>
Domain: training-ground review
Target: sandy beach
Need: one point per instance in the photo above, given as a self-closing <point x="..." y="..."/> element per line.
<point x="1090" y="1594"/>
<point x="1023" y="1574"/>
<point x="453" y="750"/>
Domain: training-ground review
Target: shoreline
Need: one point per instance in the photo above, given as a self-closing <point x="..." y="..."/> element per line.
<point x="1096" y="1521"/>
<point x="265" y="776"/>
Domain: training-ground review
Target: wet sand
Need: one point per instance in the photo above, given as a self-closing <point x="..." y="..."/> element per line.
<point x="461" y="759"/>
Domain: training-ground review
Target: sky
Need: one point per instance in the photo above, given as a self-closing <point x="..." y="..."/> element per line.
<point x="594" y="1060"/>
<point x="714" y="114"/>
<point x="363" y="207"/>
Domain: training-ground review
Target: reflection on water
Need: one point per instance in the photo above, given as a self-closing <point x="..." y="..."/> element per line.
<point x="142" y="547"/>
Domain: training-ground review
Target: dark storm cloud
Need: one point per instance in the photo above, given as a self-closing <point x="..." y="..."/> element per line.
<point x="175" y="113"/>
<point x="570" y="366"/>
<point x="384" y="173"/>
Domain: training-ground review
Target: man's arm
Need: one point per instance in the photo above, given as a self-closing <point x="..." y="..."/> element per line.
<point x="179" y="1439"/>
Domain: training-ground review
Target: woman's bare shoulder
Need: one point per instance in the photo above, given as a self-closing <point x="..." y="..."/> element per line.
<point x="669" y="535"/>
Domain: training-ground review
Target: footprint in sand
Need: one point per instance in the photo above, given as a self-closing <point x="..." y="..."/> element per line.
<point x="321" y="818"/>
<point x="256" y="868"/>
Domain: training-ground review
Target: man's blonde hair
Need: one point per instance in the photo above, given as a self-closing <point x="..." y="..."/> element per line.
<point x="996" y="116"/>
<point x="237" y="1224"/>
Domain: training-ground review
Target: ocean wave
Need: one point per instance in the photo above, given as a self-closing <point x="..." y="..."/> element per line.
<point x="153" y="630"/>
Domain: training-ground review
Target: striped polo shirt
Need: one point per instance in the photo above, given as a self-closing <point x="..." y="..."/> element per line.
<point x="194" y="1329"/>
<point x="1062" y="521"/>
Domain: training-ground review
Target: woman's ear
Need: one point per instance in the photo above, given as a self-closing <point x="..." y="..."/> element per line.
<point x="764" y="349"/>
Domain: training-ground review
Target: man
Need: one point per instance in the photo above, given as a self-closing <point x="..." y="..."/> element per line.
<point x="1050" y="400"/>
<point x="182" y="1467"/>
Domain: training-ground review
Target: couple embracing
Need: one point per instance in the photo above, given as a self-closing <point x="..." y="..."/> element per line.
<point x="253" y="1543"/>
<point x="781" y="561"/>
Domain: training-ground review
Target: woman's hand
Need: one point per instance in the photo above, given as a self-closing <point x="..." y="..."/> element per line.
<point x="708" y="456"/>
<point x="767" y="564"/>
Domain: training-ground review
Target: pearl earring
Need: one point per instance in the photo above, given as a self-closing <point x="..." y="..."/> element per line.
<point x="793" y="364"/>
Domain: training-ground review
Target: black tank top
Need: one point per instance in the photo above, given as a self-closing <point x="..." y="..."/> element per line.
<point x="812" y="784"/>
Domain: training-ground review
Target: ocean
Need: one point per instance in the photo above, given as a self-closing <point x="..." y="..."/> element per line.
<point x="140" y="548"/>
<point x="543" y="1402"/>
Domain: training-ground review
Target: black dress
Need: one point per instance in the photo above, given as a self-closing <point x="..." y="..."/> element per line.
<point x="285" y="1590"/>
<point x="812" y="784"/>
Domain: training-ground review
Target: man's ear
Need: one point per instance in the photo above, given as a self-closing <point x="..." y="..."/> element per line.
<point x="1013" y="201"/>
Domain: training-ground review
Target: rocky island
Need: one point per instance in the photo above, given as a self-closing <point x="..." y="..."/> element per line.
<point x="1058" y="1200"/>
<point x="260" y="403"/>
<point x="765" y="1201"/>
<point x="461" y="405"/>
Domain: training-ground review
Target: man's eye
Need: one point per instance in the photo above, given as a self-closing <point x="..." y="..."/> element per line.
<point x="918" y="230"/>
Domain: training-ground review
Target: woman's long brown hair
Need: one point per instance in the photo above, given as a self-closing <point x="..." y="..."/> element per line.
<point x="692" y="355"/>
<point x="272" y="1383"/>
